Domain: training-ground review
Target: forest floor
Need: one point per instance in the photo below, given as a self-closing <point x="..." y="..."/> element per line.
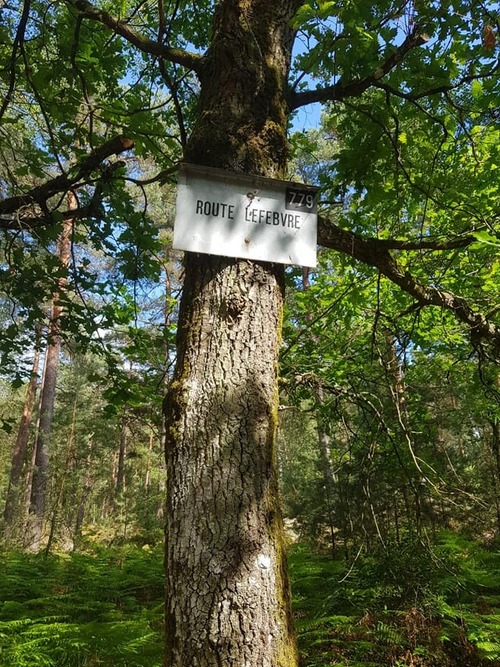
<point x="404" y="605"/>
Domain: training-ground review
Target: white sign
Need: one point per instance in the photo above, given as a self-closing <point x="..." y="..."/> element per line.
<point x="235" y="215"/>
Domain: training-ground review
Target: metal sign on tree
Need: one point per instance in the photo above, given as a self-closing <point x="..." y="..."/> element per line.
<point x="251" y="217"/>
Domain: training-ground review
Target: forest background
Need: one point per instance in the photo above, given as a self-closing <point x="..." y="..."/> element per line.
<point x="389" y="415"/>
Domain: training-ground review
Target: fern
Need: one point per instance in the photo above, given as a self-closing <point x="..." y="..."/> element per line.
<point x="106" y="609"/>
<point x="431" y="606"/>
<point x="489" y="650"/>
<point x="75" y="611"/>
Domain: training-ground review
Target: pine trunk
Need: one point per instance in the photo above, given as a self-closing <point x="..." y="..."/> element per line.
<point x="47" y="400"/>
<point x="58" y="501"/>
<point x="87" y="488"/>
<point x="21" y="446"/>
<point x="41" y="446"/>
<point x="227" y="589"/>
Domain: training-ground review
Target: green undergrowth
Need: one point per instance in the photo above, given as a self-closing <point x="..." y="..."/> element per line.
<point x="82" y="610"/>
<point x="407" y="604"/>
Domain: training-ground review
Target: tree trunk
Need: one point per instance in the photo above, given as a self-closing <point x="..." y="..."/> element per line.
<point x="21" y="446"/>
<point x="227" y="588"/>
<point x="325" y="458"/>
<point x="122" y="456"/>
<point x="147" y="474"/>
<point x="397" y="393"/>
<point x="495" y="449"/>
<point x="324" y="440"/>
<point x="62" y="480"/>
<point x="87" y="488"/>
<point x="325" y="461"/>
<point x="47" y="400"/>
<point x="41" y="447"/>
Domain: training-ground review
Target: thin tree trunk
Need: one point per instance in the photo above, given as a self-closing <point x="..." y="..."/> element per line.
<point x="324" y="440"/>
<point x="147" y="476"/>
<point x="167" y="353"/>
<point x="396" y="518"/>
<point x="30" y="471"/>
<point x="396" y="386"/>
<point x="41" y="447"/>
<point x="87" y="487"/>
<point x="21" y="446"/>
<point x="345" y="522"/>
<point x="47" y="399"/>
<point x="122" y="456"/>
<point x="327" y="472"/>
<point x="62" y="480"/>
<point x="495" y="449"/>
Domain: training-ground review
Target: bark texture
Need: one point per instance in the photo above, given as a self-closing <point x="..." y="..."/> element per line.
<point x="228" y="598"/>
<point x="47" y="400"/>
<point x="21" y="446"/>
<point x="44" y="428"/>
<point x="227" y="589"/>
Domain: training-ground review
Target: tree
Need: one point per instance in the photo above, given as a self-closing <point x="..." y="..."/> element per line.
<point x="21" y="446"/>
<point x="228" y="600"/>
<point x="41" y="457"/>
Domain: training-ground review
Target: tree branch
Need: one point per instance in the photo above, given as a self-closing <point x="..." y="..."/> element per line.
<point x="421" y="244"/>
<point x="375" y="252"/>
<point x="446" y="88"/>
<point x="18" y="41"/>
<point x="63" y="183"/>
<point x="192" y="61"/>
<point x="340" y="90"/>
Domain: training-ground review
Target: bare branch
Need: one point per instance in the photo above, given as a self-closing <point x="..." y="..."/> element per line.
<point x="18" y="41"/>
<point x="34" y="222"/>
<point x="173" y="86"/>
<point x="63" y="183"/>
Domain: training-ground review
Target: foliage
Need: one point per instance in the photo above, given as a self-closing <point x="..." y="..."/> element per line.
<point x="83" y="501"/>
<point x="407" y="409"/>
<point x="77" y="91"/>
<point x="390" y="383"/>
<point x="103" y="608"/>
<point x="410" y="604"/>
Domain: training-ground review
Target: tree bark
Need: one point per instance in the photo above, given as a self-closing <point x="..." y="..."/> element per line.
<point x="324" y="440"/>
<point x="47" y="399"/>
<point x="226" y="582"/>
<point x="58" y="501"/>
<point x="325" y="458"/>
<point x="21" y="446"/>
<point x="87" y="488"/>
<point x="495" y="450"/>
<point x="228" y="597"/>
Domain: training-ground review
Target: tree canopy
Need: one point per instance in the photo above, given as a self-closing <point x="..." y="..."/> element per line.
<point x="100" y="100"/>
